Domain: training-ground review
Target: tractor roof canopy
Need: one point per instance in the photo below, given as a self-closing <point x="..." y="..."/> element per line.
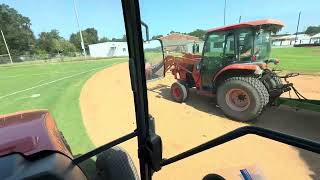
<point x="274" y="25"/>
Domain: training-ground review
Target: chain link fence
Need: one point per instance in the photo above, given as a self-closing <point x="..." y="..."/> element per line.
<point x="54" y="57"/>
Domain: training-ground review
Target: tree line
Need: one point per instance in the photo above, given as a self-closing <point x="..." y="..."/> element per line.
<point x="312" y="30"/>
<point x="22" y="41"/>
<point x="200" y="33"/>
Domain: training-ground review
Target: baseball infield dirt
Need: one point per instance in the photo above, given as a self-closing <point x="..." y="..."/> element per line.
<point x="108" y="113"/>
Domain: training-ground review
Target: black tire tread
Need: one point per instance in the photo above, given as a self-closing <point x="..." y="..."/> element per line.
<point x="258" y="85"/>
<point x="116" y="164"/>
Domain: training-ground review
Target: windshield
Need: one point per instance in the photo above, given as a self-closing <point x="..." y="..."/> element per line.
<point x="72" y="58"/>
<point x="262" y="45"/>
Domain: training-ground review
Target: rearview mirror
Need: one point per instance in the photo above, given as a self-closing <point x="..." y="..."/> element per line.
<point x="147" y="30"/>
<point x="154" y="59"/>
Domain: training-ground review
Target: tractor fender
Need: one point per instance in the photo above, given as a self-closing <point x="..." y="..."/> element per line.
<point x="252" y="68"/>
<point x="30" y="132"/>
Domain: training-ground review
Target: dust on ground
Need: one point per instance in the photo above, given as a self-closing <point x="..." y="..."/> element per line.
<point x="108" y="112"/>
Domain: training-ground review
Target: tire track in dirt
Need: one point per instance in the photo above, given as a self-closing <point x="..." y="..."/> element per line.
<point x="108" y="112"/>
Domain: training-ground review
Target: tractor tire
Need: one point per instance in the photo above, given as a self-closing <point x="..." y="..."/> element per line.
<point x="242" y="98"/>
<point x="186" y="85"/>
<point x="179" y="92"/>
<point x="115" y="164"/>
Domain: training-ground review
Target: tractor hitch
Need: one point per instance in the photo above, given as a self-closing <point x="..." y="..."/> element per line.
<point x="289" y="86"/>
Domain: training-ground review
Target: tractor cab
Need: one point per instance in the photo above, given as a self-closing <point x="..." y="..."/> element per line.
<point x="243" y="43"/>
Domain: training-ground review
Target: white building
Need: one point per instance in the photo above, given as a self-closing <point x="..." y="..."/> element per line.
<point x="109" y="49"/>
<point x="290" y="40"/>
<point x="315" y="39"/>
<point x="303" y="39"/>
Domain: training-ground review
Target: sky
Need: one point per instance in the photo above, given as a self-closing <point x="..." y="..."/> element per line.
<point x="162" y="16"/>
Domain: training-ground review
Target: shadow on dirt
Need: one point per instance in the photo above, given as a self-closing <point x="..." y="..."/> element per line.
<point x="88" y="167"/>
<point x="300" y="123"/>
<point x="201" y="103"/>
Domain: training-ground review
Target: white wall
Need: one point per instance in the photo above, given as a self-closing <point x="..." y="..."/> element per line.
<point x="315" y="40"/>
<point x="108" y="49"/>
<point x="290" y="40"/>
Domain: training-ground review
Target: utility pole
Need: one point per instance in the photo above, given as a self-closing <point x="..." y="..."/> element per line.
<point x="77" y="17"/>
<point x="239" y="19"/>
<point x="295" y="40"/>
<point x="224" y="16"/>
<point x="5" y="42"/>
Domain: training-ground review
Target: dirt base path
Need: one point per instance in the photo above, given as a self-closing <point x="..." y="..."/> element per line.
<point x="309" y="86"/>
<point x="108" y="112"/>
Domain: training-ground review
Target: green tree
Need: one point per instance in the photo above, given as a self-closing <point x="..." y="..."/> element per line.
<point x="198" y="33"/>
<point x="104" y="39"/>
<point x="49" y="41"/>
<point x="56" y="46"/>
<point x="123" y="39"/>
<point x="67" y="47"/>
<point x="52" y="43"/>
<point x="90" y="36"/>
<point x="312" y="30"/>
<point x="17" y="31"/>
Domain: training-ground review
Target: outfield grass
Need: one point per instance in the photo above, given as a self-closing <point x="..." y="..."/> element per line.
<point x="59" y="86"/>
<point x="303" y="60"/>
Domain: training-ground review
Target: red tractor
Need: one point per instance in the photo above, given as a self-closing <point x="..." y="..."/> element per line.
<point x="31" y="146"/>
<point x="233" y="67"/>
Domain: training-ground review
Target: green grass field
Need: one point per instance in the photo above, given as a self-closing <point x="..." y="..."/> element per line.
<point x="302" y="60"/>
<point x="54" y="86"/>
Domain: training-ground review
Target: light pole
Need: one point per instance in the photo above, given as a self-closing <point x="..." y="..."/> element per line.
<point x="5" y="43"/>
<point x="295" y="40"/>
<point x="224" y="15"/>
<point x="77" y="17"/>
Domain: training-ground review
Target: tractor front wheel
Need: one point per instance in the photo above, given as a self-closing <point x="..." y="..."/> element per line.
<point x="179" y="92"/>
<point x="242" y="98"/>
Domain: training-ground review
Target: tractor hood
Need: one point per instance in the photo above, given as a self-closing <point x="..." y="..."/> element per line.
<point x="30" y="132"/>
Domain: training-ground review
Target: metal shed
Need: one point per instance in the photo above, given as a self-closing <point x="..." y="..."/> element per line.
<point x="109" y="49"/>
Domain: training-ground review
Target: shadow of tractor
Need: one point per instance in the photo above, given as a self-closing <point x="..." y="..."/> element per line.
<point x="201" y="103"/>
<point x="302" y="123"/>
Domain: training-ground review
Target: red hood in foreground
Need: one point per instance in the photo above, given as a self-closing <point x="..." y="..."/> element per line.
<point x="30" y="132"/>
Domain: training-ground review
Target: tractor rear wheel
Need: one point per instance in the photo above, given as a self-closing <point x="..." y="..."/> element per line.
<point x="179" y="92"/>
<point x="242" y="98"/>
